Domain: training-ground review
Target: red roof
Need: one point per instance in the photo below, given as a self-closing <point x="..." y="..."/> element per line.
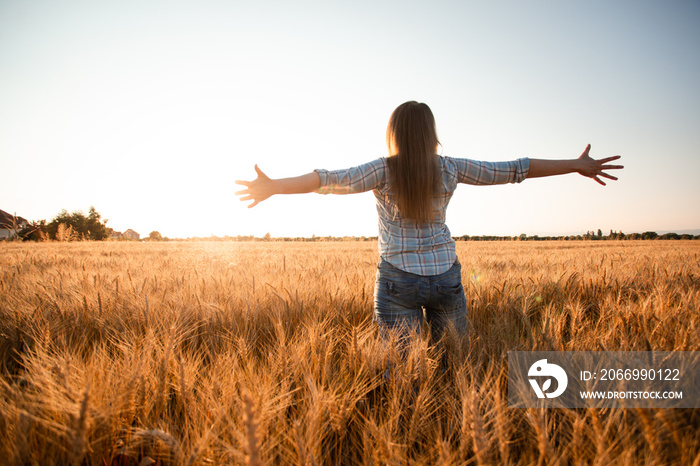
<point x="10" y="221"/>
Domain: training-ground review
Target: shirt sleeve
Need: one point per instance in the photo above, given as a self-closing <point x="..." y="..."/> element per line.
<point x="358" y="179"/>
<point x="486" y="173"/>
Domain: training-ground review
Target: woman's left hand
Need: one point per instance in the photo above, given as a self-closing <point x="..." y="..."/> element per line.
<point x="592" y="168"/>
<point x="257" y="190"/>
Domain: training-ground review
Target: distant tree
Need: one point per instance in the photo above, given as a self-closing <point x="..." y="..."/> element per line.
<point x="649" y="235"/>
<point x="600" y="233"/>
<point x="78" y="226"/>
<point x="63" y="217"/>
<point x="96" y="227"/>
<point x="155" y="236"/>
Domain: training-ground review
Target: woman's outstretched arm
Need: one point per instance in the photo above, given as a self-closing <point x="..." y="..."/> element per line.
<point x="263" y="187"/>
<point x="583" y="165"/>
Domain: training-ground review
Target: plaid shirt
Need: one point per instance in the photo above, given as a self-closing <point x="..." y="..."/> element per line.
<point x="422" y="249"/>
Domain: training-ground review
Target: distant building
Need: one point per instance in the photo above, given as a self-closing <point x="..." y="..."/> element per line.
<point x="114" y="234"/>
<point x="128" y="234"/>
<point x="10" y="224"/>
<point x="131" y="234"/>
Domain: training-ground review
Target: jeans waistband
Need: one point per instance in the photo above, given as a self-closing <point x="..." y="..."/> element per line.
<point x="386" y="265"/>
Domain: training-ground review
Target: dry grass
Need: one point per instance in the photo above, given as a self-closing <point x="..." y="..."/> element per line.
<point x="210" y="353"/>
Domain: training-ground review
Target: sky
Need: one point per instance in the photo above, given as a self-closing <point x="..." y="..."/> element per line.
<point x="149" y="111"/>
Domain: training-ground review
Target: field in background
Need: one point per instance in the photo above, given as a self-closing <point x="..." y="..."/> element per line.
<point x="210" y="353"/>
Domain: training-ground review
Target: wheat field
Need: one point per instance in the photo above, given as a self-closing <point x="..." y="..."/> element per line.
<point x="125" y="353"/>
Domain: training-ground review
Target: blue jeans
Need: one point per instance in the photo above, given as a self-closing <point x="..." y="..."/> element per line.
<point x="400" y="299"/>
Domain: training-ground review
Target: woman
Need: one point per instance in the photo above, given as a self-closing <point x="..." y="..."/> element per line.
<point x="418" y="267"/>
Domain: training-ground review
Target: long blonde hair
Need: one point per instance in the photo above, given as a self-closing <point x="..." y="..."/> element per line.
<point x="414" y="169"/>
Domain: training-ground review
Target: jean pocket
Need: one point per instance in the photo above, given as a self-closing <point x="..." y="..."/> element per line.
<point x="402" y="294"/>
<point x="451" y="297"/>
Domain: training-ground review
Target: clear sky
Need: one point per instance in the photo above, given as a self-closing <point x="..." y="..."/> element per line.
<point x="150" y="110"/>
